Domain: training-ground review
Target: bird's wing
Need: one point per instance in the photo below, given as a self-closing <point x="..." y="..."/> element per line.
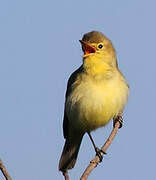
<point x="121" y="74"/>
<point x="68" y="91"/>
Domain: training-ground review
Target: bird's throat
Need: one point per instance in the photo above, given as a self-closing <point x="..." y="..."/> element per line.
<point x="94" y="66"/>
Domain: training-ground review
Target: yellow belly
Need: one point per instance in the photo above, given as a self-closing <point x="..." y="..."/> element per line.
<point x="92" y="104"/>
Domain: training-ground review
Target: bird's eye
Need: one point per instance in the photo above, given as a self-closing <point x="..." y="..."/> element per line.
<point x="100" y="46"/>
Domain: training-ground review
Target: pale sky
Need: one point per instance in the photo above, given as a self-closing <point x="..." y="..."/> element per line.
<point x="39" y="49"/>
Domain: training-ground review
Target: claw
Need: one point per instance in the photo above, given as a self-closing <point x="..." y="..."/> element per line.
<point x="100" y="153"/>
<point x="119" y="119"/>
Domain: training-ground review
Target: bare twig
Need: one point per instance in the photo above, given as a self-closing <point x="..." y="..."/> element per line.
<point x="4" y="171"/>
<point x="66" y="176"/>
<point x="96" y="160"/>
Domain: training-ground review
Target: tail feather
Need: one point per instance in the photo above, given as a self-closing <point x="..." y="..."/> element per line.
<point x="70" y="153"/>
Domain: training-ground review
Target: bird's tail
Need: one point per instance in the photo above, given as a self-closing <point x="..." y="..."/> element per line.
<point x="69" y="154"/>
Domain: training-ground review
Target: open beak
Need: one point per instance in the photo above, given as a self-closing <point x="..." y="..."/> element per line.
<point x="87" y="49"/>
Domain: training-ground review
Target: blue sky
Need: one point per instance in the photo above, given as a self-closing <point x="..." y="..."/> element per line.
<point x="39" y="49"/>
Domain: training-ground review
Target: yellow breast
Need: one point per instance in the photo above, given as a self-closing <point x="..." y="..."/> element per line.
<point x="93" y="103"/>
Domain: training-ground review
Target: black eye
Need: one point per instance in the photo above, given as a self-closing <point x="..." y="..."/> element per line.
<point x="100" y="46"/>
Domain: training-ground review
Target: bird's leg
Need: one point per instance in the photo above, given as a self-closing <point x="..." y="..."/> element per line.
<point x="118" y="118"/>
<point x="99" y="152"/>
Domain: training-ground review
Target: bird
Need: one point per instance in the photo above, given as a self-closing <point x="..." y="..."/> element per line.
<point x="96" y="93"/>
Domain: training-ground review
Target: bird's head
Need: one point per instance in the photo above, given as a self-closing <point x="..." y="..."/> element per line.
<point x="95" y="44"/>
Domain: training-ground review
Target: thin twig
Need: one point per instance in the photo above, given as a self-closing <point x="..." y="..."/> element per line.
<point x="4" y="171"/>
<point x="66" y="176"/>
<point x="96" y="160"/>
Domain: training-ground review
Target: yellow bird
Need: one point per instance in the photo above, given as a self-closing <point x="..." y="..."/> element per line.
<point x="96" y="93"/>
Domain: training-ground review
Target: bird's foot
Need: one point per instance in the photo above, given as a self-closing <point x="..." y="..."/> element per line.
<point x="100" y="153"/>
<point x="119" y="118"/>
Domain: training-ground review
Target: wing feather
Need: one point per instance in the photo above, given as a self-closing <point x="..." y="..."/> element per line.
<point x="71" y="80"/>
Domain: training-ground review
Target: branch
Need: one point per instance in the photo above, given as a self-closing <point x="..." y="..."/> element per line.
<point x="94" y="162"/>
<point x="4" y="171"/>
